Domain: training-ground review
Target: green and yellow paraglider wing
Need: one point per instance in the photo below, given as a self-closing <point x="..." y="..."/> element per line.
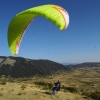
<point x="20" y="22"/>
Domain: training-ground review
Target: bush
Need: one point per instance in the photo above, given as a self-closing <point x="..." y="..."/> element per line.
<point x="23" y="87"/>
<point x="93" y="95"/>
<point x="1" y="94"/>
<point x="10" y="80"/>
<point x="70" y="89"/>
<point x="44" y="85"/>
<point x="19" y="93"/>
<point x="3" y="82"/>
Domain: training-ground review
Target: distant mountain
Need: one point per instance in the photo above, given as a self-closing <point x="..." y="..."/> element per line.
<point x="70" y="63"/>
<point x="86" y="64"/>
<point x="23" y="67"/>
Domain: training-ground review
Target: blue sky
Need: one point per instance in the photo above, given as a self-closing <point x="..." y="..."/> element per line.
<point x="80" y="42"/>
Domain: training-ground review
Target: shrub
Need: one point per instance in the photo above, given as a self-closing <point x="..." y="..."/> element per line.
<point x="23" y="87"/>
<point x="2" y="88"/>
<point x="93" y="95"/>
<point x="3" y="82"/>
<point x="1" y="94"/>
<point x="10" y="80"/>
<point x="21" y="93"/>
<point x="44" y="85"/>
<point x="70" y="89"/>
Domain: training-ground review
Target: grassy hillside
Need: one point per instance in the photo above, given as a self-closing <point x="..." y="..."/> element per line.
<point x="23" y="67"/>
<point x="85" y="80"/>
<point x="28" y="91"/>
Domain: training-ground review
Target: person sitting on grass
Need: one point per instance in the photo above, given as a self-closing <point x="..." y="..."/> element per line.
<point x="56" y="87"/>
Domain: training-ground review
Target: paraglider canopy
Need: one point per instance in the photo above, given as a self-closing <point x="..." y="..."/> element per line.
<point x="21" y="21"/>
